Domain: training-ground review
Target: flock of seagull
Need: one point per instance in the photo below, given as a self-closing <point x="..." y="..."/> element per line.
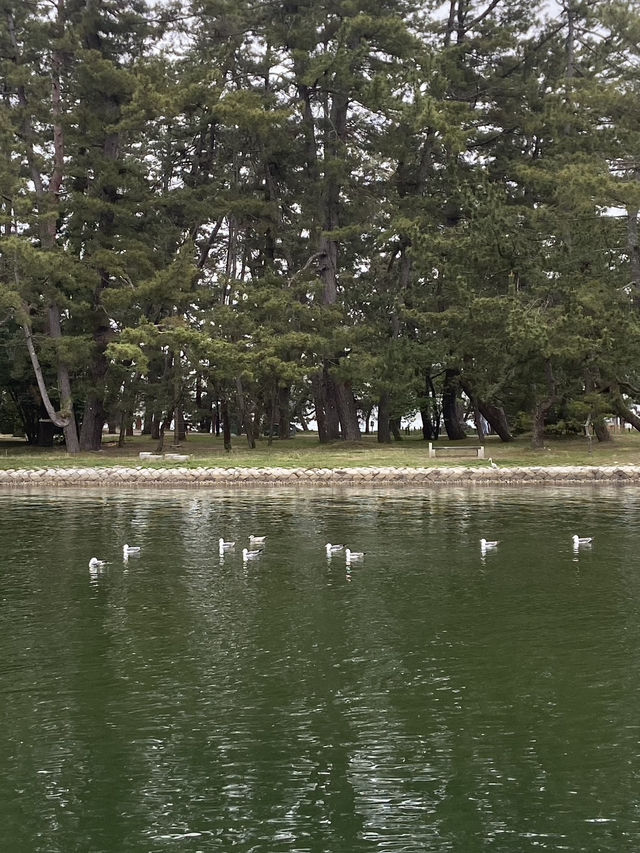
<point x="95" y="564"/>
<point x="578" y="542"/>
<point x="257" y="543"/>
<point x="253" y="552"/>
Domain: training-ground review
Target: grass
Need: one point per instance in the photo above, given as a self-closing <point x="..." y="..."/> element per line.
<point x="304" y="451"/>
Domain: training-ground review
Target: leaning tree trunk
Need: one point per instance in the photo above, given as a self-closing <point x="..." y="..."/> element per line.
<point x="496" y="418"/>
<point x="452" y="422"/>
<point x="622" y="410"/>
<point x="494" y="415"/>
<point x="65" y="418"/>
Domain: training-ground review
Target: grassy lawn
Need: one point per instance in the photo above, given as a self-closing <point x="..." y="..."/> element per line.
<point x="304" y="451"/>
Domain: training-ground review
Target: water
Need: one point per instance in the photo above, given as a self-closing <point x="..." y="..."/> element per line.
<point x="430" y="699"/>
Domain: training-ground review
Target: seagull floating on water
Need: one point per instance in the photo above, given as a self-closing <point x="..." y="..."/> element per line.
<point x="333" y="549"/>
<point x="581" y="540"/>
<point x="95" y="563"/>
<point x="488" y="543"/>
<point x="250" y="555"/>
<point x="130" y="549"/>
<point x="353" y="556"/>
<point x="225" y="546"/>
<point x="257" y="540"/>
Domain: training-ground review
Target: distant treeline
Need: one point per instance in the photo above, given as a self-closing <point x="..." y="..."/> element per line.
<point x="246" y="214"/>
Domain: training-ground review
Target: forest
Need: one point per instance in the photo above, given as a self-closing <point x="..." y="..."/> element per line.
<point x="236" y="215"/>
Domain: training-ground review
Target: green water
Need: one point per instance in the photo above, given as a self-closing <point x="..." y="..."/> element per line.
<point x="431" y="699"/>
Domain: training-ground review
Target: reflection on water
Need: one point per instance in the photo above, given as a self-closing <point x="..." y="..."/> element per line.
<point x="433" y="697"/>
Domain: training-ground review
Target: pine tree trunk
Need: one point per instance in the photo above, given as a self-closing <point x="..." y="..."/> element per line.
<point x="317" y="387"/>
<point x="622" y="410"/>
<point x="540" y="412"/>
<point x="156" y="426"/>
<point x="347" y="411"/>
<point x="65" y="418"/>
<point x="367" y="419"/>
<point x="284" y="413"/>
<point x="180" y="429"/>
<point x="226" y="425"/>
<point x="496" y="418"/>
<point x="494" y="415"/>
<point x="601" y="429"/>
<point x="384" y="417"/>
<point x="324" y="393"/>
<point x="537" y="435"/>
<point x="93" y="421"/>
<point x="123" y="429"/>
<point x="454" y="427"/>
<point x="428" y="431"/>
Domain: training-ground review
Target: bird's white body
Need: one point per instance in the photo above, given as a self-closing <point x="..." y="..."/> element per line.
<point x="130" y="549"/>
<point x="250" y="555"/>
<point x="95" y="563"/>
<point x="333" y="549"/>
<point x="492" y="463"/>
<point x="488" y="543"/>
<point x="353" y="556"/>
<point x="225" y="546"/>
<point x="257" y="540"/>
<point x="581" y="540"/>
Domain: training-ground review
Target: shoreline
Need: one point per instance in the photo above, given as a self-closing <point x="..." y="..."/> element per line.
<point x="121" y="476"/>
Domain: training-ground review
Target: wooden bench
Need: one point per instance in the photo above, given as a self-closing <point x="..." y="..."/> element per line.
<point x="476" y="450"/>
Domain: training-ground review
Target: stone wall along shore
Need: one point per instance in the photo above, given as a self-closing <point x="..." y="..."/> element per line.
<point x="177" y="476"/>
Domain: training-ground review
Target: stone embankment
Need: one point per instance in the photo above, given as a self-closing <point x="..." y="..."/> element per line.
<point x="181" y="476"/>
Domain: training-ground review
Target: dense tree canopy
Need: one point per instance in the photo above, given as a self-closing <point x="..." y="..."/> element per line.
<point x="250" y="213"/>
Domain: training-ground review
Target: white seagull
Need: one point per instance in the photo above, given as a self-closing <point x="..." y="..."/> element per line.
<point x="225" y="546"/>
<point x="257" y="540"/>
<point x="487" y="543"/>
<point x="353" y="556"/>
<point x="250" y="555"/>
<point x="95" y="563"/>
<point x="130" y="549"/>
<point x="333" y="549"/>
<point x="581" y="540"/>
